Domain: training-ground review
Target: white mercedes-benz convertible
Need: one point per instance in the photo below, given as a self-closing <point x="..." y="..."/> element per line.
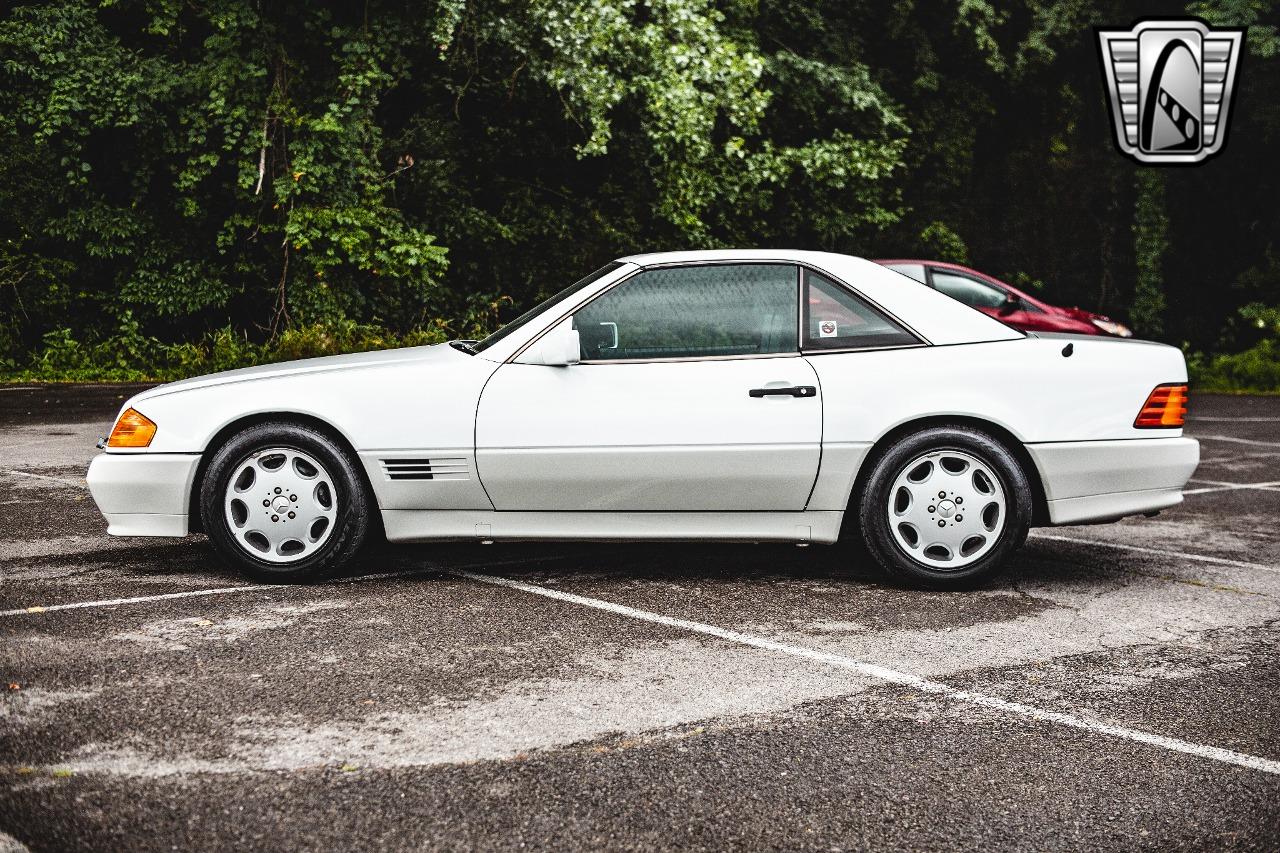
<point x="732" y="395"/>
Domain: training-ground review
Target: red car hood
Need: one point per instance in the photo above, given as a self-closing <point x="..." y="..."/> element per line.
<point x="1081" y="314"/>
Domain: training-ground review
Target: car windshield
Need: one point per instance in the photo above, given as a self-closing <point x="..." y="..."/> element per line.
<point x="541" y="306"/>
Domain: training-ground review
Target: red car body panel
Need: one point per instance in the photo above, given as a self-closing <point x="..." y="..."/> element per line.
<point x="1032" y="314"/>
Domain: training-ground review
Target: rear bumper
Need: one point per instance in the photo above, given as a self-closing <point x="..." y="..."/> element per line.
<point x="1089" y="481"/>
<point x="143" y="494"/>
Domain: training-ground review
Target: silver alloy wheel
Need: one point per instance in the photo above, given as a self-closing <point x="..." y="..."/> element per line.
<point x="946" y="509"/>
<point x="280" y="505"/>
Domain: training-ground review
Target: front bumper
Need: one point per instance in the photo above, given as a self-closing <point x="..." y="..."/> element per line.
<point x="143" y="494"/>
<point x="1091" y="481"/>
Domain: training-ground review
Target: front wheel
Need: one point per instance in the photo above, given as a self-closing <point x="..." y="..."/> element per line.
<point x="945" y="507"/>
<point x="281" y="502"/>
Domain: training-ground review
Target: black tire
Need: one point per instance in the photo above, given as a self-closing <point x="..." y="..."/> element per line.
<point x="354" y="507"/>
<point x="873" y="498"/>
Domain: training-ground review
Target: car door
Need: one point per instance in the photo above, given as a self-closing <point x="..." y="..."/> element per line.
<point x="691" y="396"/>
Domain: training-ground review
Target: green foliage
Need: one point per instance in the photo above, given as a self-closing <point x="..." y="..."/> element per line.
<point x="699" y="105"/>
<point x="1265" y="318"/>
<point x="1150" y="237"/>
<point x="944" y="244"/>
<point x="131" y="357"/>
<point x="1256" y="369"/>
<point x="1025" y="282"/>
<point x="187" y="161"/>
<point x="981" y="20"/>
<point x="186" y="187"/>
<point x="1258" y="15"/>
<point x="1053" y="24"/>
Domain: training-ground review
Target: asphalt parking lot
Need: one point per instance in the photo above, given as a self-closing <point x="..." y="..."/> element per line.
<point x="1119" y="689"/>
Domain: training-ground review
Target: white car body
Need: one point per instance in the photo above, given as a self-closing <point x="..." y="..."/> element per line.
<point x="676" y="449"/>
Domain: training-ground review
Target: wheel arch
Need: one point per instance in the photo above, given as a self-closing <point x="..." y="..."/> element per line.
<point x="1040" y="507"/>
<point x="194" y="522"/>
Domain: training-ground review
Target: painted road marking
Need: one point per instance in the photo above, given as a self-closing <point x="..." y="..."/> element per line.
<point x="1237" y="440"/>
<point x="1220" y="486"/>
<point x="892" y="676"/>
<point x="1158" y="552"/>
<point x="21" y="388"/>
<point x="76" y="483"/>
<point x="1217" y="460"/>
<point x="228" y="590"/>
<point x="9" y="844"/>
<point x="140" y="599"/>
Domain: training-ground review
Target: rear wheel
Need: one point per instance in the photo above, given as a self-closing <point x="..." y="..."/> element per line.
<point x="282" y="502"/>
<point x="945" y="507"/>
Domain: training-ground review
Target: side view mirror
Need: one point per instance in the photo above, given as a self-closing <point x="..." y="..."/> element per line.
<point x="613" y="327"/>
<point x="559" y="347"/>
<point x="1011" y="303"/>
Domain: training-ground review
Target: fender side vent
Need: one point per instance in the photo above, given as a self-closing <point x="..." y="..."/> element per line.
<point x="439" y="468"/>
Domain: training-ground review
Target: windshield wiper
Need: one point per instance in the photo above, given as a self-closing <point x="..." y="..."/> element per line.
<point x="465" y="346"/>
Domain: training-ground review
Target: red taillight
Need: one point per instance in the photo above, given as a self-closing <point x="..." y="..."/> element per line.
<point x="1166" y="408"/>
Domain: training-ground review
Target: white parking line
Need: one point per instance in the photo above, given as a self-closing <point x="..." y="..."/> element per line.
<point x="1239" y="457"/>
<point x="140" y="599"/>
<point x="1220" y="486"/>
<point x="1237" y="440"/>
<point x="893" y="676"/>
<point x="9" y="844"/>
<point x="228" y="590"/>
<point x="1158" y="552"/>
<point x="80" y="484"/>
<point x="1186" y="492"/>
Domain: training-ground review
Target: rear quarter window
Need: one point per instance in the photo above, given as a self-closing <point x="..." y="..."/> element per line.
<point x="837" y="319"/>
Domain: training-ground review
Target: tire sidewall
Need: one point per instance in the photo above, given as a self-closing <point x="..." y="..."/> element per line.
<point x="350" y="522"/>
<point x="873" y="512"/>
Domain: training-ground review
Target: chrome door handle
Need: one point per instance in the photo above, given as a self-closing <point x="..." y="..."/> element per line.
<point x="792" y="391"/>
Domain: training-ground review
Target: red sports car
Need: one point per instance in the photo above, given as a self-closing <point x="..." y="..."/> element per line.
<point x="1004" y="302"/>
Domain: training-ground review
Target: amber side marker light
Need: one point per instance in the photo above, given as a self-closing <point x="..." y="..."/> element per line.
<point x="1166" y="408"/>
<point x="132" y="429"/>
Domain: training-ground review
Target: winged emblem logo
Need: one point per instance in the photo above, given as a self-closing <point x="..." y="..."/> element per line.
<point x="1169" y="85"/>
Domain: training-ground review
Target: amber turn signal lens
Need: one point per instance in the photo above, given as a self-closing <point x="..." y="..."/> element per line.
<point x="133" y="429"/>
<point x="1166" y="408"/>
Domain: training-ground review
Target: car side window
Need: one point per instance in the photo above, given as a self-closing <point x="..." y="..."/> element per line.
<point x="835" y="318"/>
<point x="970" y="291"/>
<point x="914" y="271"/>
<point x="693" y="312"/>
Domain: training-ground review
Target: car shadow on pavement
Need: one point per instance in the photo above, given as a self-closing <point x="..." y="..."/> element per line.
<point x="629" y="561"/>
<point x="1040" y="564"/>
<point x="1037" y="563"/>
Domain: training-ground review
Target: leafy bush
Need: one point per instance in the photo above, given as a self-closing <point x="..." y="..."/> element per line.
<point x="1256" y="369"/>
<point x="129" y="357"/>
